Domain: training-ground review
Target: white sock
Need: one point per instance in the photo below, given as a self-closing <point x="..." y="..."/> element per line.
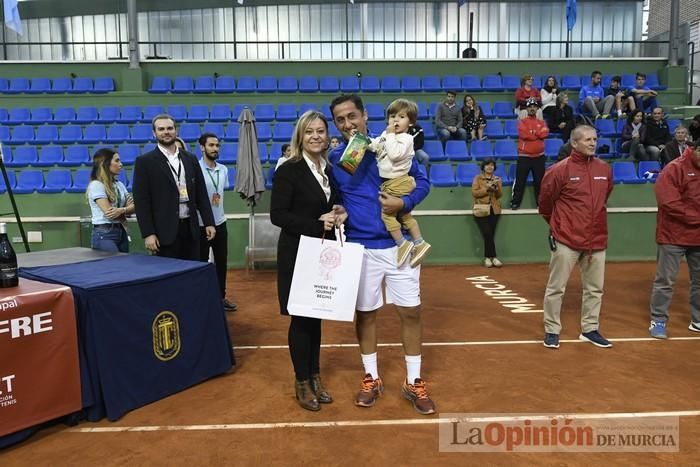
<point x="370" y="363"/>
<point x="412" y="368"/>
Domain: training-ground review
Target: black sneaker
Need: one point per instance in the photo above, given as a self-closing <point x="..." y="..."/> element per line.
<point x="595" y="338"/>
<point x="514" y="206"/>
<point x="551" y="340"/>
<point x="229" y="306"/>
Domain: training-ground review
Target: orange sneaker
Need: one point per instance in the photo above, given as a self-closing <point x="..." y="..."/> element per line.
<point x="369" y="392"/>
<point x="417" y="394"/>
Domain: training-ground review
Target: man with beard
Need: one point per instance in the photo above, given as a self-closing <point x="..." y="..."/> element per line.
<point x="216" y="180"/>
<point x="169" y="191"/>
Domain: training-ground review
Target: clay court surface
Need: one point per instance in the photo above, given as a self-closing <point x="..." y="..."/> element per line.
<point x="479" y="357"/>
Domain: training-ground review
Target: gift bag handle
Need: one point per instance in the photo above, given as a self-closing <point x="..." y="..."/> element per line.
<point x="340" y="237"/>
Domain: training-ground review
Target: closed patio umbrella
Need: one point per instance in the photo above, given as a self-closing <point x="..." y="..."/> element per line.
<point x="250" y="183"/>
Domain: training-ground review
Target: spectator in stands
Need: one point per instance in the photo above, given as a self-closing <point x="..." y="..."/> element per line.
<point x="418" y="142"/>
<point x="633" y="136"/>
<point x="644" y="97"/>
<point x="562" y="117"/>
<point x="286" y="154"/>
<point x="487" y="190"/>
<point x="335" y="141"/>
<point x="531" y="133"/>
<point x="216" y="180"/>
<point x="592" y="99"/>
<point x="677" y="236"/>
<point x="573" y="202"/>
<point x="526" y="92"/>
<point x="694" y="128"/>
<point x="657" y="135"/>
<point x="448" y="120"/>
<point x="169" y="191"/>
<point x="549" y="94"/>
<point x="675" y="148"/>
<point x="473" y="118"/>
<point x="564" y="151"/>
<point x="109" y="202"/>
<point x="303" y="203"/>
<point x="624" y="102"/>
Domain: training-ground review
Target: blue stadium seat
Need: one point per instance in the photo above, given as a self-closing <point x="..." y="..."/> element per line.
<point x="224" y="84"/>
<point x="411" y="84"/>
<point x="391" y="84"/>
<point x="82" y="86"/>
<point x="673" y="124"/>
<point x="178" y="112"/>
<point x="4" y="116"/>
<point x="81" y="179"/>
<point x="262" y="152"/>
<point x="109" y="114"/>
<point x="283" y="132"/>
<point x="130" y="114"/>
<point x="216" y="128"/>
<point x="265" y="131"/>
<point x="103" y="85"/>
<point x="150" y="111"/>
<point x="141" y="133"/>
<point x="49" y="156"/>
<point x="492" y="83"/>
<point x="653" y="82"/>
<point x="11" y="177"/>
<point x="432" y="108"/>
<point x="246" y="84"/>
<point x="551" y="148"/>
<point x="121" y="176"/>
<point x="46" y="134"/>
<point x="148" y="147"/>
<point x="376" y="128"/>
<point x="435" y="151"/>
<point x="503" y="109"/>
<point x="423" y="111"/>
<point x="19" y="115"/>
<point x="95" y="133"/>
<point x="370" y="84"/>
<point x="375" y="111"/>
<point x="231" y="179"/>
<point x="220" y="113"/>
<point x="160" y="85"/>
<point x="61" y="86"/>
<point x="605" y="142"/>
<point x="481" y="150"/>
<point x="86" y="114"/>
<point x="198" y="113"/>
<point x="29" y="181"/>
<point x="57" y="181"/>
<point x="466" y="173"/>
<point x="308" y="84"/>
<point x="64" y="115"/>
<point x="41" y="115"/>
<point x="511" y="82"/>
<point x="190" y="132"/>
<point x="428" y="130"/>
<point x="117" y="133"/>
<point x="306" y="106"/>
<point x="537" y="81"/>
<point x="237" y="109"/>
<point x="183" y="85"/>
<point x="264" y="112"/>
<point x="228" y="153"/>
<point x="18" y="86"/>
<point x="39" y="85"/>
<point x="442" y="175"/>
<point x="506" y="150"/>
<point x="511" y="128"/>
<point x="4" y="86"/>
<point x="267" y="84"/>
<point x="24" y="156"/>
<point x="494" y="129"/>
<point x="625" y="172"/>
<point x="328" y="84"/>
<point x="451" y="83"/>
<point x="431" y="83"/>
<point x="457" y="151"/>
<point x="348" y="84"/>
<point x="204" y="85"/>
<point x="70" y="134"/>
<point x="5" y="135"/>
<point x="648" y="166"/>
<point x="268" y="178"/>
<point x="286" y="113"/>
<point x="628" y="80"/>
<point x="486" y="109"/>
<point x="129" y="152"/>
<point x="22" y="134"/>
<point x="572" y="82"/>
<point x="287" y="84"/>
<point x="471" y="83"/>
<point x="275" y="152"/>
<point x="501" y="172"/>
<point x="232" y="131"/>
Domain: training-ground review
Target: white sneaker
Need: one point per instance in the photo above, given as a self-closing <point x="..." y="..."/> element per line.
<point x="488" y="263"/>
<point x="496" y="262"/>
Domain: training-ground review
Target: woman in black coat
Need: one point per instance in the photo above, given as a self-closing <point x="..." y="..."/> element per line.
<point x="562" y="118"/>
<point x="303" y="203"/>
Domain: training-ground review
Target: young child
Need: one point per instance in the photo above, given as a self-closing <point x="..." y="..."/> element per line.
<point x="394" y="149"/>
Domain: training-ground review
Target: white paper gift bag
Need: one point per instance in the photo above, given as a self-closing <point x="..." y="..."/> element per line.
<point x="326" y="279"/>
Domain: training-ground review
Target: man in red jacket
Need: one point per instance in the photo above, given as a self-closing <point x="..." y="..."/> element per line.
<point x="677" y="235"/>
<point x="531" y="134"/>
<point x="573" y="201"/>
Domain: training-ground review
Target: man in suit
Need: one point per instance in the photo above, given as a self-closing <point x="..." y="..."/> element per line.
<point x="676" y="147"/>
<point x="169" y="191"/>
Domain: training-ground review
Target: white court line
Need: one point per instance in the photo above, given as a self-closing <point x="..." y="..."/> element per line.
<point x="408" y="421"/>
<point x="466" y="343"/>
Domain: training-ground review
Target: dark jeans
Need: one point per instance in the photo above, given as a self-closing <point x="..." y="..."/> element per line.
<point x="220" y="248"/>
<point x="185" y="245"/>
<point x="525" y="165"/>
<point x="110" y="237"/>
<point x="304" y="340"/>
<point x="487" y="227"/>
<point x="646" y="104"/>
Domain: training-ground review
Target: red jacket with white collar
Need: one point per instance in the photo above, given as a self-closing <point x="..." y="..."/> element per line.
<point x="573" y="200"/>
<point x="532" y="132"/>
<point x="678" y="197"/>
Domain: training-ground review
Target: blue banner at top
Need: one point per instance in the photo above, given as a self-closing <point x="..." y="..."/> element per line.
<point x="570" y="14"/>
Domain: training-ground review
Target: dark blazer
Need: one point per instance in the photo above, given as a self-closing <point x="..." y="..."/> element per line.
<point x="671" y="151"/>
<point x="297" y="203"/>
<point x="157" y="199"/>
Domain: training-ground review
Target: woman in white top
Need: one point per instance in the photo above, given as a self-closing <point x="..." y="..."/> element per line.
<point x="109" y="202"/>
<point x="549" y="93"/>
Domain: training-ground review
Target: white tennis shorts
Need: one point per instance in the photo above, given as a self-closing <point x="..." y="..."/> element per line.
<point x="379" y="268"/>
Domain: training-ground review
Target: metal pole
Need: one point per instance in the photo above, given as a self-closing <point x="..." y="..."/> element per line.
<point x="673" y="33"/>
<point x="691" y="44"/>
<point x="132" y="16"/>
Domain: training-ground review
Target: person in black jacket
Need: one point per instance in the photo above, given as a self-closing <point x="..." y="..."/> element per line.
<point x="675" y="148"/>
<point x="562" y="118"/>
<point x="634" y="134"/>
<point x="416" y="131"/>
<point x="303" y="203"/>
<point x="657" y="135"/>
<point x="169" y="191"/>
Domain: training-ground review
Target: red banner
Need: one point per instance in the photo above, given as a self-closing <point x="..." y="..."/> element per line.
<point x="39" y="370"/>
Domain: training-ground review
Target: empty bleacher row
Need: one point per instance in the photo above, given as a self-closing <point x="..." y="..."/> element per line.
<point x="370" y="84"/>
<point x="100" y="85"/>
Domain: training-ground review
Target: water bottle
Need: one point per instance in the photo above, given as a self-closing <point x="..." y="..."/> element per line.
<point x="8" y="260"/>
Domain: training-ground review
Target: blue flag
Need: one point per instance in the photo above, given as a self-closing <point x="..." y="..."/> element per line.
<point x="12" y="19"/>
<point x="462" y="2"/>
<point x="570" y="14"/>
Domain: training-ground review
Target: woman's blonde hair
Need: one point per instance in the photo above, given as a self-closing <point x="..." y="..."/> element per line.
<point x="101" y="161"/>
<point x="298" y="137"/>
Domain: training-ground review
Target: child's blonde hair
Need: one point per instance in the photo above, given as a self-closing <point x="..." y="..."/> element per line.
<point x="404" y="105"/>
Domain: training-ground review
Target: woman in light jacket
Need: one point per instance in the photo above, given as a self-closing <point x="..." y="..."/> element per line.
<point x="487" y="189"/>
